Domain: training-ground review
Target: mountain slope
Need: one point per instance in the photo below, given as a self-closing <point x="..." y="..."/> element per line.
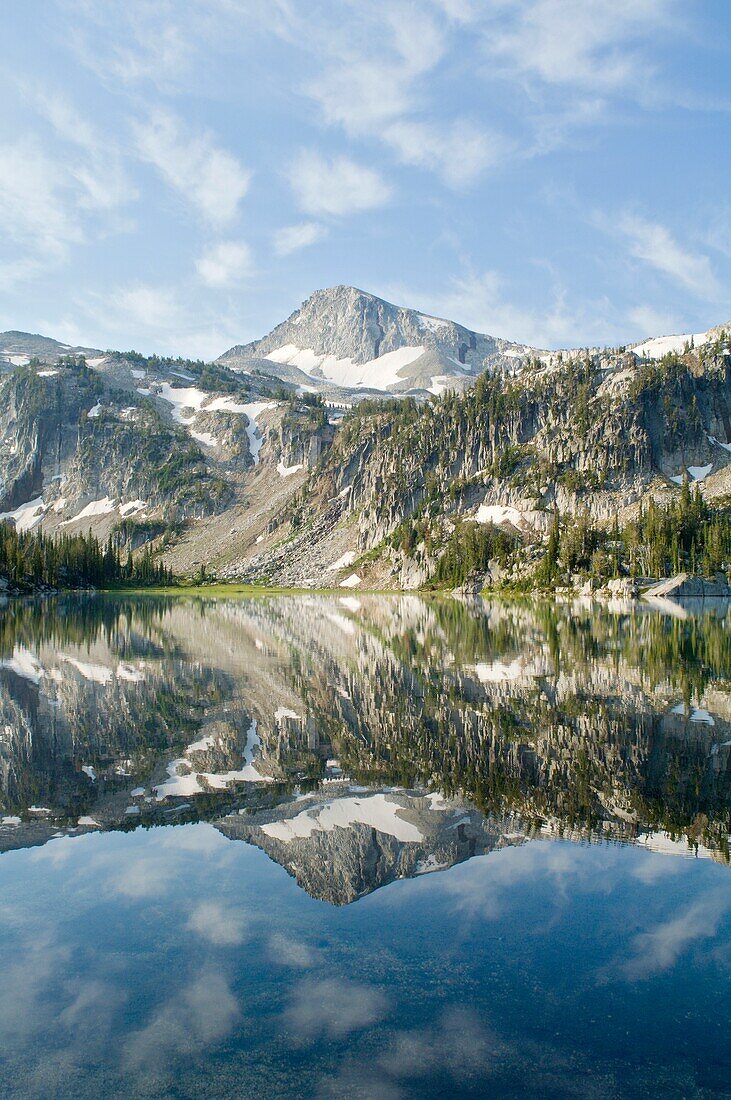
<point x="355" y="340"/>
<point x="592" y="435"/>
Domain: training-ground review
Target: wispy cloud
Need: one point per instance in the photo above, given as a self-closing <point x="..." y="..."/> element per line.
<point x="150" y="317"/>
<point x="100" y="173"/>
<point x="36" y="207"/>
<point x="459" y="152"/>
<point x="482" y="301"/>
<point x="335" y="186"/>
<point x="293" y="237"/>
<point x="225" y="264"/>
<point x="210" y="178"/>
<point x="649" y="321"/>
<point x="654" y="244"/>
<point x="586" y="42"/>
<point x="59" y="187"/>
<point x="380" y="91"/>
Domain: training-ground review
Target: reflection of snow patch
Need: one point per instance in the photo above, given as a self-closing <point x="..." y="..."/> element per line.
<point x="24" y="664"/>
<point x="345" y="624"/>
<point x="426" y="866"/>
<point x="285" y="712"/>
<point x="129" y="672"/>
<point x="98" y="674"/>
<point x="697" y="714"/>
<point x="351" y="603"/>
<point x="184" y="785"/>
<point x="378" y="812"/>
<point x="498" y="672"/>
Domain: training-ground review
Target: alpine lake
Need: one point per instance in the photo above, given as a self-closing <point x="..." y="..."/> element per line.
<point x="364" y="846"/>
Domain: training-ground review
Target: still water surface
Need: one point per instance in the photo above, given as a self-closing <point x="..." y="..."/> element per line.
<point x="363" y="847"/>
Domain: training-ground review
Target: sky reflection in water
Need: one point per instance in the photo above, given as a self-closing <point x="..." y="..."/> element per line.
<point x="180" y="961"/>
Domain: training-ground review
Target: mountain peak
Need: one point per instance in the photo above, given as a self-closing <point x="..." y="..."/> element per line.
<point x="350" y="337"/>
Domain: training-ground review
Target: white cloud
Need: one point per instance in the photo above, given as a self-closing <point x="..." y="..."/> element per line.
<point x="293" y="237"/>
<point x="459" y="152"/>
<point x="374" y="84"/>
<point x="211" y="179"/>
<point x="35" y="206"/>
<point x="150" y="318"/>
<point x="655" y="245"/>
<point x="478" y="300"/>
<point x="100" y="172"/>
<point x="225" y="264"/>
<point x="336" y="186"/>
<point x="561" y="42"/>
<point x="649" y="321"/>
<point x="217" y="924"/>
<point x="50" y="191"/>
<point x="147" y="307"/>
<point x="370" y="65"/>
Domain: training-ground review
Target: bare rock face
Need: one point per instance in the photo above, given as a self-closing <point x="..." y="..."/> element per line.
<point x="687" y="586"/>
<point x="350" y="324"/>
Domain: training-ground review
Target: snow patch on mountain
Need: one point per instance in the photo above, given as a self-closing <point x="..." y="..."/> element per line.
<point x="376" y="374"/>
<point x="665" y="345"/>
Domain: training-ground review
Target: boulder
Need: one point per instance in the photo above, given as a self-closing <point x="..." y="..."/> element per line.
<point x="688" y="585"/>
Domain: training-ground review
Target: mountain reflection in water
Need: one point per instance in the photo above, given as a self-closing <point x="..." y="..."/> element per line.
<point x="362" y="740"/>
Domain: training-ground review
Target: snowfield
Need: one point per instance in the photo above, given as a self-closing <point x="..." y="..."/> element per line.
<point x="663" y="345"/>
<point x="376" y="374"/>
<point x="498" y="514"/>
<point x="26" y="516"/>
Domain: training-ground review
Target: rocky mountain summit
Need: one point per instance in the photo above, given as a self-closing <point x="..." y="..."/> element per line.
<point x="357" y="341"/>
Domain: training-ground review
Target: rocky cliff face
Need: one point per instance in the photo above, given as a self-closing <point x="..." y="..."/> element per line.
<point x="587" y="434"/>
<point x="138" y="447"/>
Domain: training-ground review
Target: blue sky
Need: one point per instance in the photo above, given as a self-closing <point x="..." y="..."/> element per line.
<point x="177" y="176"/>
